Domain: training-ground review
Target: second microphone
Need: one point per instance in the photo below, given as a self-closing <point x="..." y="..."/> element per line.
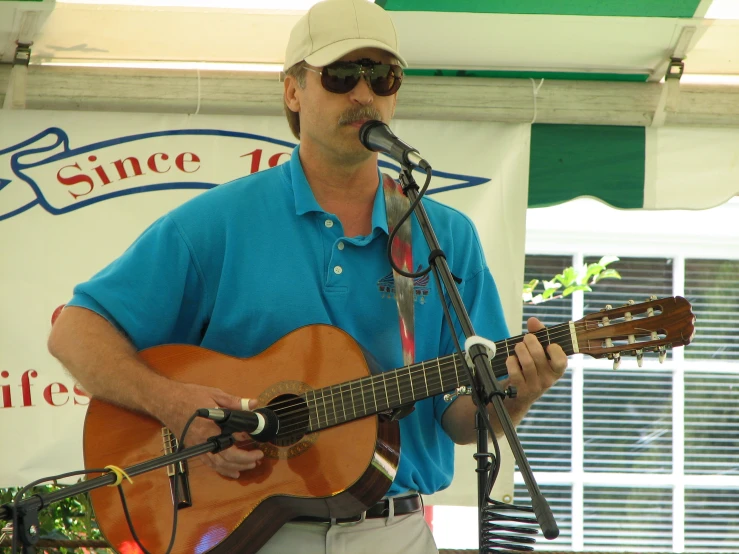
<point x="261" y="424"/>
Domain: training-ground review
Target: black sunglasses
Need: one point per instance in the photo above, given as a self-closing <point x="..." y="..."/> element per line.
<point x="341" y="77"/>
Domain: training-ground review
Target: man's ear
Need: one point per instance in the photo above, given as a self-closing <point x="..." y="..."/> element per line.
<point x="292" y="94"/>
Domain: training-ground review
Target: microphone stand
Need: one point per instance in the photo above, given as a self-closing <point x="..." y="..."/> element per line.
<point x="484" y="388"/>
<point x="25" y="512"/>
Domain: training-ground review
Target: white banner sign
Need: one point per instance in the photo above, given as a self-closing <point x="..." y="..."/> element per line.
<point x="77" y="188"/>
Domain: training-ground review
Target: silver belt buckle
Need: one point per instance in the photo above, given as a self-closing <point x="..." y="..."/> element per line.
<point x="350" y="523"/>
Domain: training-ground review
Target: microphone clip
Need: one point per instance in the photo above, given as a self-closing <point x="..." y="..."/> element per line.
<point x="261" y="424"/>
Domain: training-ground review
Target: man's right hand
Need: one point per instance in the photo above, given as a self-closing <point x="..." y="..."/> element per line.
<point x="186" y="400"/>
<point x="106" y="365"/>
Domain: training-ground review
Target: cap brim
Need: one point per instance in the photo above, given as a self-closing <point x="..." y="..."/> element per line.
<point x="332" y="52"/>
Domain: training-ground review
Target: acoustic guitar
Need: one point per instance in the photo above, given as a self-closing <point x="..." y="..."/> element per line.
<point x="329" y="459"/>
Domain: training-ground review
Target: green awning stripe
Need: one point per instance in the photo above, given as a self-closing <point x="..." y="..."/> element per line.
<point x="620" y="8"/>
<point x="569" y="161"/>
<point x="574" y="76"/>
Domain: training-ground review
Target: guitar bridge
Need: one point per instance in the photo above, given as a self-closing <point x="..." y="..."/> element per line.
<point x="177" y="473"/>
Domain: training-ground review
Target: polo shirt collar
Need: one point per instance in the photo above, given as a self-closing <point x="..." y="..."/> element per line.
<point x="305" y="200"/>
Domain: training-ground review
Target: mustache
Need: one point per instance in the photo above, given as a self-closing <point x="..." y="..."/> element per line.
<point x="358" y="114"/>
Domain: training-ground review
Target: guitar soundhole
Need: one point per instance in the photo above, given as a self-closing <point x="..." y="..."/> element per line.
<point x="293" y="413"/>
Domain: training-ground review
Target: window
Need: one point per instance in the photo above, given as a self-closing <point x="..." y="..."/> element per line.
<point x="643" y="459"/>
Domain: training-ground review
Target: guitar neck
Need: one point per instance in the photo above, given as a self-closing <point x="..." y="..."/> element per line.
<point x="352" y="400"/>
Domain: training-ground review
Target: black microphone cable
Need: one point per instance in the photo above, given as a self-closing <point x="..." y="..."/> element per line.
<point x="175" y="495"/>
<point x="400" y="222"/>
<point x="499" y="533"/>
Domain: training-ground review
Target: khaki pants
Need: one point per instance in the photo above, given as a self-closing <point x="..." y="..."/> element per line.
<point x="406" y="534"/>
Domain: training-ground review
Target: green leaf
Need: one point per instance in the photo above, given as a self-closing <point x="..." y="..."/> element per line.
<point x="567" y="277"/>
<point x="572" y="279"/>
<point x="605" y="260"/>
<point x="582" y="275"/>
<point x="573" y="288"/>
<point x="607" y="274"/>
<point x="68" y="518"/>
<point x="530" y="286"/>
<point x="593" y="269"/>
<point x="547" y="294"/>
<point x="528" y="290"/>
<point x="551" y="285"/>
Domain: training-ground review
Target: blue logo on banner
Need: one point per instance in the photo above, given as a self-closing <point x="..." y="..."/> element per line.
<point x="64" y="179"/>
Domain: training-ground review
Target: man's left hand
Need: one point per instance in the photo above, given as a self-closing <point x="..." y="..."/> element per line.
<point x="533" y="370"/>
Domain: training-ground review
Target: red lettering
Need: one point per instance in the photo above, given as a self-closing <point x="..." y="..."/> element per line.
<point x="275" y="159"/>
<point x="26" y="386"/>
<point x="78" y="392"/>
<point x="186" y="162"/>
<point x="49" y="393"/>
<point x="180" y="161"/>
<point x="74" y="180"/>
<point x="255" y="161"/>
<point x="135" y="165"/>
<point x="100" y="171"/>
<point x="7" y="401"/>
<point x="152" y="162"/>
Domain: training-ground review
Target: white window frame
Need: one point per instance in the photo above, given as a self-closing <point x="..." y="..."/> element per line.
<point x="589" y="228"/>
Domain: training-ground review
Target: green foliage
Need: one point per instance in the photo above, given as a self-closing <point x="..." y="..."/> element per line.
<point x="70" y="518"/>
<point x="570" y="280"/>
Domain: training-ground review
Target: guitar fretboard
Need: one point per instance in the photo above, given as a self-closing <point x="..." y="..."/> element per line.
<point x="351" y="400"/>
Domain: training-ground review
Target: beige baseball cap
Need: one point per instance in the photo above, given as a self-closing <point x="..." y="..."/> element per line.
<point x="333" y="28"/>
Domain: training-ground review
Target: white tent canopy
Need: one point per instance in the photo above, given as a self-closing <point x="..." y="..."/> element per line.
<point x="601" y="62"/>
<point x="602" y="101"/>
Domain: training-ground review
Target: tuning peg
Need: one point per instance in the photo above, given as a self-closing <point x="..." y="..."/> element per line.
<point x="662" y="353"/>
<point x="652" y="298"/>
<point x="616" y="360"/>
<point x="639" y="357"/>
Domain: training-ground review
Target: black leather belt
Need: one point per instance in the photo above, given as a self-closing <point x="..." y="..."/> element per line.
<point x="402" y="505"/>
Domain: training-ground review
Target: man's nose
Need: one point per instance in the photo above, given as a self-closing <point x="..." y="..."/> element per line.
<point x="362" y="93"/>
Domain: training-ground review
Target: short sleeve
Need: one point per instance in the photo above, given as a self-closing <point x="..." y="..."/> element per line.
<point x="154" y="292"/>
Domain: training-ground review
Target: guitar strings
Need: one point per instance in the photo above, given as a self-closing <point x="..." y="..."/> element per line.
<point x="294" y="415"/>
<point x="295" y="419"/>
<point x="298" y="412"/>
<point x="414" y="370"/>
<point x="421" y="367"/>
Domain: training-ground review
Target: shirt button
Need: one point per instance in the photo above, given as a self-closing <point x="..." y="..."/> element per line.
<point x="340" y="246"/>
<point x="338" y="270"/>
<point x="329" y="223"/>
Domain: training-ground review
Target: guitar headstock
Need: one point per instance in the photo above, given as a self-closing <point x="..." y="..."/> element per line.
<point x="633" y="329"/>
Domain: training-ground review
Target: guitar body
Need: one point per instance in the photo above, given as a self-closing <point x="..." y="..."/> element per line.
<point x="336" y="472"/>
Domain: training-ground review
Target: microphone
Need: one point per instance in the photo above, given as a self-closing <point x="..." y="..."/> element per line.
<point x="378" y="137"/>
<point x="261" y="424"/>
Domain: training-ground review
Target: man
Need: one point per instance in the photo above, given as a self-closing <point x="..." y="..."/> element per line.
<point x="242" y="265"/>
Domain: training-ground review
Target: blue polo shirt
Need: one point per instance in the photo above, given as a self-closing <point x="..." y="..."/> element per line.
<point x="243" y="264"/>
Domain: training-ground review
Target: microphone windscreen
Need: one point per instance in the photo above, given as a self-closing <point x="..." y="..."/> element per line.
<point x="364" y="132"/>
